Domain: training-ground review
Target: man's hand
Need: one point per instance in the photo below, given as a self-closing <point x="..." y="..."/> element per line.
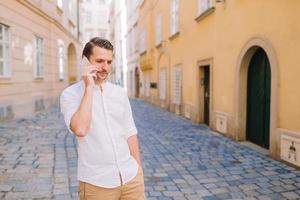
<point x="89" y="75"/>
<point x="133" y="144"/>
<point x="81" y="120"/>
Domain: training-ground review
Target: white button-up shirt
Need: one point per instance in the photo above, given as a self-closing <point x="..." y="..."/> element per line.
<point x="103" y="154"/>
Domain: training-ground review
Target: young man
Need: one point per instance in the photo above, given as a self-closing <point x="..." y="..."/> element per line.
<point x="98" y="113"/>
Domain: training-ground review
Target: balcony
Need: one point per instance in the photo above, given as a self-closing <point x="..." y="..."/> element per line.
<point x="146" y="61"/>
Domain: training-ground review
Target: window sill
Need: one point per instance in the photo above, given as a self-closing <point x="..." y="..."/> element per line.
<point x="71" y="23"/>
<point x="143" y="53"/>
<point x="205" y="14"/>
<point x="5" y="80"/>
<point x="158" y="45"/>
<point x="142" y="3"/>
<point x="59" y="10"/>
<point x="5" y="77"/>
<point x="175" y="35"/>
<point x="38" y="79"/>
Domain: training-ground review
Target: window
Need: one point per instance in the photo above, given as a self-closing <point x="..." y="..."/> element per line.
<point x="204" y="5"/>
<point x="88" y="17"/>
<point x="60" y="4"/>
<point x="143" y="41"/>
<point x="88" y="34"/>
<point x="102" y="17"/>
<point x="176" y="97"/>
<point x="135" y="41"/>
<point x="102" y="33"/>
<point x="72" y="10"/>
<point x="174" y="17"/>
<point x="4" y="51"/>
<point x="158" y="30"/>
<point x="128" y="52"/>
<point x="39" y="68"/>
<point x="132" y="40"/>
<point x="61" y="63"/>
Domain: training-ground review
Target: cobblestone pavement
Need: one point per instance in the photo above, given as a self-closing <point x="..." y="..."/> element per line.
<point x="182" y="160"/>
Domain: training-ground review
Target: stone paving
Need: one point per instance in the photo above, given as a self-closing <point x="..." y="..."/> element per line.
<point x="181" y="160"/>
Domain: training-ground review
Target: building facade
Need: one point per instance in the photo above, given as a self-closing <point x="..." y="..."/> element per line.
<point x="39" y="52"/>
<point x="124" y="33"/>
<point x="132" y="49"/>
<point x="232" y="65"/>
<point x="118" y="30"/>
<point x="94" y="19"/>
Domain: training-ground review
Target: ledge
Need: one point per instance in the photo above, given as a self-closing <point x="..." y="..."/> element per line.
<point x="59" y="10"/>
<point x="71" y="23"/>
<point x="6" y="80"/>
<point x="159" y="44"/>
<point x="38" y="79"/>
<point x="205" y="14"/>
<point x="175" y="35"/>
<point x="143" y="53"/>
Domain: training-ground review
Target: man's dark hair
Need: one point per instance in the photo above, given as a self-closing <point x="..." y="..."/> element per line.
<point x="96" y="41"/>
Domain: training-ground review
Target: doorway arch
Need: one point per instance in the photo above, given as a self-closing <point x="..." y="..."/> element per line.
<point x="244" y="59"/>
<point x="72" y="64"/>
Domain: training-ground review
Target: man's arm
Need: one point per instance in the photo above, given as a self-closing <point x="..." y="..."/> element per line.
<point x="133" y="144"/>
<point x="81" y="120"/>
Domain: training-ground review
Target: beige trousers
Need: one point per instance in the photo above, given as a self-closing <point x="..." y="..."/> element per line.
<point x="133" y="190"/>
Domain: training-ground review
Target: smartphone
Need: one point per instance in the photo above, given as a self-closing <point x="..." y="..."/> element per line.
<point x="85" y="63"/>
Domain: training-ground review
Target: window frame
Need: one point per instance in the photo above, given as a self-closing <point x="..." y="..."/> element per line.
<point x="158" y="33"/>
<point x="143" y="41"/>
<point x="6" y="51"/>
<point x="38" y="57"/>
<point x="177" y="86"/>
<point x="61" y="62"/>
<point x="208" y="6"/>
<point x="174" y="18"/>
<point x="60" y="4"/>
<point x="72" y="9"/>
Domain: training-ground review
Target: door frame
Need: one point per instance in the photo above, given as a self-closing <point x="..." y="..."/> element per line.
<point x="243" y="62"/>
<point x="200" y="101"/>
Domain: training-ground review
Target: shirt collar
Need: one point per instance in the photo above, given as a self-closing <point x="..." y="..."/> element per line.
<point x="104" y="86"/>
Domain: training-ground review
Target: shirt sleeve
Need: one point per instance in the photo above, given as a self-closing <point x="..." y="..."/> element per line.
<point x="130" y="128"/>
<point x="69" y="104"/>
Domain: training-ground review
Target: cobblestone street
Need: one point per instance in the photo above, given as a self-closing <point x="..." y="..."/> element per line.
<point x="182" y="160"/>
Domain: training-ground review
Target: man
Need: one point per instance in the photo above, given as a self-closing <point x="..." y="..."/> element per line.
<point x="98" y="113"/>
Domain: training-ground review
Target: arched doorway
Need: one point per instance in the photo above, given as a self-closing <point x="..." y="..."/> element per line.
<point x="257" y="48"/>
<point x="137" y="82"/>
<point x="258" y="99"/>
<point x="72" y="64"/>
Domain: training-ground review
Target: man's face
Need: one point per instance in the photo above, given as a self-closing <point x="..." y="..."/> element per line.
<point x="102" y="58"/>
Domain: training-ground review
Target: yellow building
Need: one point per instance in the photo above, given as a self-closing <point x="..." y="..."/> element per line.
<point x="39" y="50"/>
<point x="232" y="65"/>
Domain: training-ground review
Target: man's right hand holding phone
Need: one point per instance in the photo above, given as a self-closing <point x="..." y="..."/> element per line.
<point x="89" y="75"/>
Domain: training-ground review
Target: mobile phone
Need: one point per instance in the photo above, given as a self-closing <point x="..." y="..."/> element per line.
<point x="85" y="63"/>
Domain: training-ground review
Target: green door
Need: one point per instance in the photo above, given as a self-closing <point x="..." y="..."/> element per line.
<point x="258" y="99"/>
